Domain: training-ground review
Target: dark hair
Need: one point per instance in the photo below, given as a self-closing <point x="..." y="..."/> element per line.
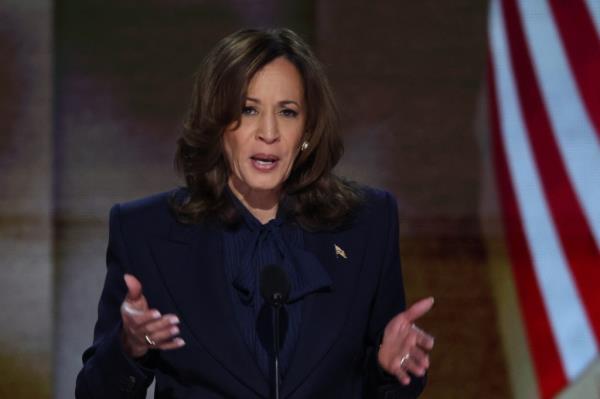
<point x="316" y="198"/>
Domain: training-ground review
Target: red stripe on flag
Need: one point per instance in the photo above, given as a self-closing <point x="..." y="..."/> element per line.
<point x="546" y="360"/>
<point x="573" y="229"/>
<point x="582" y="46"/>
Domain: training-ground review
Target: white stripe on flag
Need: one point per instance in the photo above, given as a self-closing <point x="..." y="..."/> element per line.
<point x="563" y="305"/>
<point x="593" y="7"/>
<point x="573" y="130"/>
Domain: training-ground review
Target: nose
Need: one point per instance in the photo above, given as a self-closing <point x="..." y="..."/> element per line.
<point x="268" y="130"/>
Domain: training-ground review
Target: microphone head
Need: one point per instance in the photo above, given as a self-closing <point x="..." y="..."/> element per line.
<point x="274" y="285"/>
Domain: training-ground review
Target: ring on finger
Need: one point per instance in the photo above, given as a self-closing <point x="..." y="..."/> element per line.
<point x="149" y="340"/>
<point x="404" y="359"/>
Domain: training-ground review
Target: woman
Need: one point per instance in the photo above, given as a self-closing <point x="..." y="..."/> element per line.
<point x="257" y="155"/>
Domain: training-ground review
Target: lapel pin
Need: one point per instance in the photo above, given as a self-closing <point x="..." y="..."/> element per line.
<point x="339" y="252"/>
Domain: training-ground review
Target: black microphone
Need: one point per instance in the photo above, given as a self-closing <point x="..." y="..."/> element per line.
<point x="275" y="290"/>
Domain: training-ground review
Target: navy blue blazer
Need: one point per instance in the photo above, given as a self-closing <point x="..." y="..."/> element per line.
<point x="181" y="270"/>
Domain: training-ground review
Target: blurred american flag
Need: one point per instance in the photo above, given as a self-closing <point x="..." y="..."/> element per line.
<point x="544" y="95"/>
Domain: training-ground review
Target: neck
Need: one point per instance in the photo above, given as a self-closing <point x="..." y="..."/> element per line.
<point x="262" y="204"/>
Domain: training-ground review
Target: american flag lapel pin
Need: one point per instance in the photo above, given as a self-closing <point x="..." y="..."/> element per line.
<point x="339" y="252"/>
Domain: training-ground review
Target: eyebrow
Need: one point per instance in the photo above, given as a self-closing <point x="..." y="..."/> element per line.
<point x="284" y="102"/>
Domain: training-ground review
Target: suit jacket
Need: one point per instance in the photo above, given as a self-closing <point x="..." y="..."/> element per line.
<point x="181" y="270"/>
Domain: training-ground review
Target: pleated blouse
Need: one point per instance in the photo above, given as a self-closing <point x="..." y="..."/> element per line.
<point x="250" y="246"/>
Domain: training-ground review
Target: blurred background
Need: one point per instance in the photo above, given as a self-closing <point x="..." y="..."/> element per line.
<point x="92" y="98"/>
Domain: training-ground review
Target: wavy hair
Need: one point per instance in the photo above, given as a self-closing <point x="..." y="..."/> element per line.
<point x="315" y="197"/>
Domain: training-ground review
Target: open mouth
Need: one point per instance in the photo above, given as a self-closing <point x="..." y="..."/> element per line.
<point x="264" y="162"/>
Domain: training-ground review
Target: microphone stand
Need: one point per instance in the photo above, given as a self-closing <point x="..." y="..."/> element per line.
<point x="277" y="303"/>
<point x="275" y="289"/>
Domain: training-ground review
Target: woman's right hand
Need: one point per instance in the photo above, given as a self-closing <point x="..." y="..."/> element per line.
<point x="145" y="328"/>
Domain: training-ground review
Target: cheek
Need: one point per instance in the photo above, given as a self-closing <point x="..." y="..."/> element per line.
<point x="294" y="144"/>
<point x="234" y="143"/>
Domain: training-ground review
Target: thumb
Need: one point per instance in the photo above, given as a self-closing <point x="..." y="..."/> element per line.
<point x="418" y="309"/>
<point x="134" y="288"/>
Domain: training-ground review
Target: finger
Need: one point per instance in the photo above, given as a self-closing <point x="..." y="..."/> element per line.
<point x="157" y="330"/>
<point x="133" y="310"/>
<point x="162" y="336"/>
<point x="164" y="323"/>
<point x="410" y="366"/>
<point x="420" y="359"/>
<point x="399" y="371"/>
<point x="172" y="344"/>
<point x="134" y="287"/>
<point x="403" y="377"/>
<point x="418" y="309"/>
<point x="424" y="340"/>
<point x="134" y="319"/>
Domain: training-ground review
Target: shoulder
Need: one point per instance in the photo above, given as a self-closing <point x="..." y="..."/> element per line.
<point x="377" y="203"/>
<point x="377" y="210"/>
<point x="377" y="197"/>
<point x="148" y="213"/>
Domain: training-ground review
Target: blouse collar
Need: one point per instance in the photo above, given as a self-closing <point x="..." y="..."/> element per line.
<point x="304" y="270"/>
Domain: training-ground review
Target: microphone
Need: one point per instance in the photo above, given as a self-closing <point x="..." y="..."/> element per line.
<point x="275" y="290"/>
<point x="274" y="285"/>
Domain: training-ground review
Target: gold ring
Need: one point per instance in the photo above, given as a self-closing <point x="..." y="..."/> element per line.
<point x="149" y="340"/>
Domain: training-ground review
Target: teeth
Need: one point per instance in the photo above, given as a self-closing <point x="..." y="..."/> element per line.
<point x="264" y="162"/>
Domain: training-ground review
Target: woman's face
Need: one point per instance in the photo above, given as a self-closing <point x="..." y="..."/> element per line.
<point x="262" y="149"/>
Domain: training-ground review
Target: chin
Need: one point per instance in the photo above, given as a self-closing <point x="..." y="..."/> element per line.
<point x="260" y="184"/>
<point x="265" y="186"/>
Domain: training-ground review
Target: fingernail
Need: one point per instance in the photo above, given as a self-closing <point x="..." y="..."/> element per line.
<point x="155" y="314"/>
<point x="179" y="342"/>
<point x="174" y="320"/>
<point x="432" y="300"/>
<point x="174" y="330"/>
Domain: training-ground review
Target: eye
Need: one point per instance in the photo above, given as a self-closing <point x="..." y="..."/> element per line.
<point x="289" y="113"/>
<point x="248" y="110"/>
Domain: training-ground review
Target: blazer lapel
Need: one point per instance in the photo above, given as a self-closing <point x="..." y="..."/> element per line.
<point x="324" y="313"/>
<point x="191" y="264"/>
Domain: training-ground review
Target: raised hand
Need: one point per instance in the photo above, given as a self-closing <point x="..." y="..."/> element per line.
<point x="145" y="328"/>
<point x="405" y="348"/>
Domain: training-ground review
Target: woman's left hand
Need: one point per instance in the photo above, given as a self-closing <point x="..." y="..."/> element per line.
<point x="405" y="348"/>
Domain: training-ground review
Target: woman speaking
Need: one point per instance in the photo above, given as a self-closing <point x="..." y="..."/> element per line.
<point x="192" y="273"/>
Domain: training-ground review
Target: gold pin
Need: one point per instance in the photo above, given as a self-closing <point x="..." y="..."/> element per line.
<point x="339" y="251"/>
